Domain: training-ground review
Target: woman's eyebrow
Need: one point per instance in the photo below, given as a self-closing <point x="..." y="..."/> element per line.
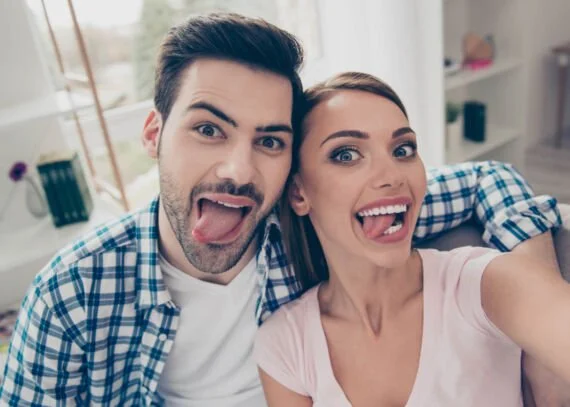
<point x="347" y="133"/>
<point x="402" y="131"/>
<point x="363" y="135"/>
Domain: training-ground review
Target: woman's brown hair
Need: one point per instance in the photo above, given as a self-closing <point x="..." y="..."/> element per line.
<point x="301" y="240"/>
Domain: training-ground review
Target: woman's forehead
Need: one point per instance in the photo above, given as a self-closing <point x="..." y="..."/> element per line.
<point x="356" y="110"/>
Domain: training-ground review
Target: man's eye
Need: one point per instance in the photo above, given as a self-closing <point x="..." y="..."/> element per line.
<point x="405" y="151"/>
<point x="345" y="155"/>
<point x="209" y="131"/>
<point x="272" y="143"/>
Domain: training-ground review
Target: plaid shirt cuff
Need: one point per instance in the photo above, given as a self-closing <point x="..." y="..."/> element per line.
<point x="522" y="221"/>
<point x="506" y="206"/>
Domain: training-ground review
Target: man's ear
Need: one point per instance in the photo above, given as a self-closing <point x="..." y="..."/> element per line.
<point x="151" y="133"/>
<point x="297" y="198"/>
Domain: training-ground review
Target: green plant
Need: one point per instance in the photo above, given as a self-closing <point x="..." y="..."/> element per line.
<point x="452" y="111"/>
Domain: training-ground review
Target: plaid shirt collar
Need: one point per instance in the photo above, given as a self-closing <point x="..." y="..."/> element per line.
<point x="150" y="287"/>
<point x="272" y="264"/>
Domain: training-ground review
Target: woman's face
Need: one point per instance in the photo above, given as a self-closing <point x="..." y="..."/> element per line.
<point x="360" y="179"/>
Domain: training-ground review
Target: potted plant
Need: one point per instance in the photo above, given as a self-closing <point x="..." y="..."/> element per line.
<point x="35" y="201"/>
<point x="453" y="128"/>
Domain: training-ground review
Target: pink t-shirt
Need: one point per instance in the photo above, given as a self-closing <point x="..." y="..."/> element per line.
<point x="465" y="360"/>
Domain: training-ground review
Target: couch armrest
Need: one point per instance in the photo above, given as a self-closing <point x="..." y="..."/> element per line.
<point x="562" y="241"/>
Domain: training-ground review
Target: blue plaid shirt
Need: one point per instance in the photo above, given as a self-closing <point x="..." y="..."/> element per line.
<point x="97" y="324"/>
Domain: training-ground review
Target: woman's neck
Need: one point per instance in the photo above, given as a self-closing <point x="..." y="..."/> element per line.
<point x="368" y="294"/>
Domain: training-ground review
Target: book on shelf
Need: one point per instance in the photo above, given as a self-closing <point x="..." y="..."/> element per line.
<point x="66" y="189"/>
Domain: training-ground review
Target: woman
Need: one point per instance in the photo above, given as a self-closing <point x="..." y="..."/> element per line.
<point x="388" y="325"/>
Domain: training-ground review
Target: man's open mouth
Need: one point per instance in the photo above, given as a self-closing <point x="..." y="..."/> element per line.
<point x="382" y="220"/>
<point x="220" y="217"/>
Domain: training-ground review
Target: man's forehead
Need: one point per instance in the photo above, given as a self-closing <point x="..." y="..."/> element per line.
<point x="238" y="87"/>
<point x="225" y="75"/>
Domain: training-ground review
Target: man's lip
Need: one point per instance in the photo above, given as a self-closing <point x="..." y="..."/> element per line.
<point x="229" y="199"/>
<point x="397" y="200"/>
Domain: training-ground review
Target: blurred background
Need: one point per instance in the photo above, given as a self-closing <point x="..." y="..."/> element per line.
<point x="482" y="79"/>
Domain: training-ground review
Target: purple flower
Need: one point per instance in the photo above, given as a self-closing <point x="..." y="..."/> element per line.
<point x="18" y="171"/>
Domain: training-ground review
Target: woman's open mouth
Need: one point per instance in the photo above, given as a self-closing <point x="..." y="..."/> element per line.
<point x="384" y="223"/>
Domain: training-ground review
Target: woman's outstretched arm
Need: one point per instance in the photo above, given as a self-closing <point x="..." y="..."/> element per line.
<point x="531" y="306"/>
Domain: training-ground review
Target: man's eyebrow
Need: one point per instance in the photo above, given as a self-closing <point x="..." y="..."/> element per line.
<point x="214" y="110"/>
<point x="347" y="133"/>
<point x="274" y="128"/>
<point x="271" y="128"/>
<point x="402" y="131"/>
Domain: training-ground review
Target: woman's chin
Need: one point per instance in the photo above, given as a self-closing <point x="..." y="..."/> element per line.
<point x="390" y="257"/>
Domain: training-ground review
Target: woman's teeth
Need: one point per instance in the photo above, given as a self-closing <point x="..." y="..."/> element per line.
<point x="393" y="229"/>
<point x="383" y="210"/>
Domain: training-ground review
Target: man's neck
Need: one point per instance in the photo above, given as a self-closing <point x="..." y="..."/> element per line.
<point x="172" y="251"/>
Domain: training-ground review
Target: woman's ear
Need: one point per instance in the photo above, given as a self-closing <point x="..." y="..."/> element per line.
<point x="151" y="133"/>
<point x="297" y="198"/>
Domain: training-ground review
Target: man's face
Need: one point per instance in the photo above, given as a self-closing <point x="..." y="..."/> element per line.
<point x="224" y="155"/>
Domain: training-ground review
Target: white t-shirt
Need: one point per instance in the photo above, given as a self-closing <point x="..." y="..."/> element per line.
<point x="211" y="362"/>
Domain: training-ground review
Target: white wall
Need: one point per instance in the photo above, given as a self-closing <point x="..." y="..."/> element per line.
<point x="547" y="25"/>
<point x="23" y="78"/>
<point x="390" y="39"/>
<point x="398" y="41"/>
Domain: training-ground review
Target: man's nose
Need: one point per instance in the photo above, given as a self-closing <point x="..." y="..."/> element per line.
<point x="238" y="166"/>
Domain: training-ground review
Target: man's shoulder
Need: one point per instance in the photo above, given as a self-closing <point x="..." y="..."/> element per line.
<point x="108" y="252"/>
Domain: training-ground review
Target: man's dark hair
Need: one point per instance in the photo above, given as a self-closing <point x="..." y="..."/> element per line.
<point x="228" y="36"/>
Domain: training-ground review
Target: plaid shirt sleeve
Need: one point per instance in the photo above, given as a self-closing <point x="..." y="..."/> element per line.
<point x="44" y="366"/>
<point x="495" y="193"/>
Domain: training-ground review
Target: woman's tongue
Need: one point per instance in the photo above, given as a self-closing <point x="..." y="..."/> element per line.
<point x="375" y="226"/>
<point x="216" y="221"/>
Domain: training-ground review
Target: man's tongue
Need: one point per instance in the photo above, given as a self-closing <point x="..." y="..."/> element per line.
<point x="375" y="226"/>
<point x="216" y="221"/>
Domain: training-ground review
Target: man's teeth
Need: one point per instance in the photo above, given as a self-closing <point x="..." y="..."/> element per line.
<point x="229" y="205"/>
<point x="383" y="210"/>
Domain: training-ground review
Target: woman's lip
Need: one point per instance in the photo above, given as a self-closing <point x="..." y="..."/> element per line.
<point x="398" y="200"/>
<point x="394" y="237"/>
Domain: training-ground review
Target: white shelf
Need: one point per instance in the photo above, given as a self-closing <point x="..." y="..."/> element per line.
<point x="42" y="240"/>
<point x="468" y="150"/>
<point x="42" y="108"/>
<point x="466" y="77"/>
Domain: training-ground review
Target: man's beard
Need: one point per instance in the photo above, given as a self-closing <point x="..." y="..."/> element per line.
<point x="209" y="258"/>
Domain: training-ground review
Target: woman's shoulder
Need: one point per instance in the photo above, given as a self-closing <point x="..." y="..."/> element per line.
<point x="285" y="341"/>
<point x="456" y="259"/>
<point x="293" y="315"/>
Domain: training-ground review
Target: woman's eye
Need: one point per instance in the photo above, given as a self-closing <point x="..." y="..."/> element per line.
<point x="209" y="131"/>
<point x="345" y="156"/>
<point x="405" y="151"/>
<point x="272" y="143"/>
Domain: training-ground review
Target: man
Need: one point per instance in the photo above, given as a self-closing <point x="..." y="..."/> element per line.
<point x="162" y="305"/>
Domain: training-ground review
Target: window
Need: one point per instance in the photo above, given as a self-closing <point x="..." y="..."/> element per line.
<point x="122" y="39"/>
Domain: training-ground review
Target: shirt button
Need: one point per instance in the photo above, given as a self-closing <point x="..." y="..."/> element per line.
<point x="162" y="337"/>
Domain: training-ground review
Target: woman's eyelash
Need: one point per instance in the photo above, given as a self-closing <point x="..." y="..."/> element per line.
<point x="409" y="144"/>
<point x="348" y="150"/>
